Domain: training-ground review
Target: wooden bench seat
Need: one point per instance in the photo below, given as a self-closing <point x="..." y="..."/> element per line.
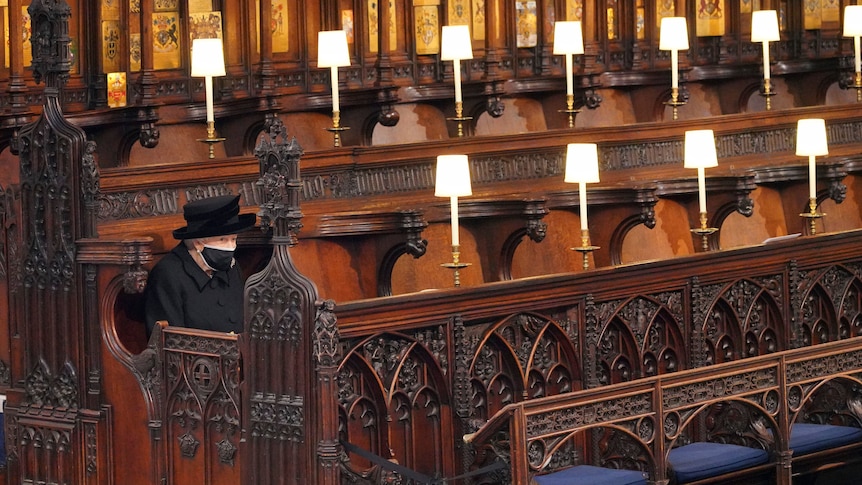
<point x="699" y="461"/>
<point x="806" y="438"/>
<point x="820" y="447"/>
<point x="592" y="475"/>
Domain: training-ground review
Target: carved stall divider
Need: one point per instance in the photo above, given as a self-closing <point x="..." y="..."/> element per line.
<point x="291" y="342"/>
<point x="57" y="427"/>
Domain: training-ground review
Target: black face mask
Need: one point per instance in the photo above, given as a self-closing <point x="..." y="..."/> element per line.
<point x="218" y="259"/>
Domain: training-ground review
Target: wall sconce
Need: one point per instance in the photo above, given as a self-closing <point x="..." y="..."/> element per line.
<point x="569" y="40"/>
<point x="853" y="28"/>
<point x="207" y="62"/>
<point x="700" y="153"/>
<point x="811" y="142"/>
<point x="456" y="45"/>
<point x="332" y="53"/>
<point x="453" y="180"/>
<point x="582" y="167"/>
<point x="764" y="28"/>
<point x="673" y="37"/>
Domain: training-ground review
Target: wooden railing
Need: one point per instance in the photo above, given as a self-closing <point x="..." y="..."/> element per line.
<point x="634" y="349"/>
<point x="660" y="413"/>
<point x="472" y="352"/>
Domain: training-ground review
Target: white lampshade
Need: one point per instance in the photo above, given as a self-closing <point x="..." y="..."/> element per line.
<point x="332" y="49"/>
<point x="582" y="163"/>
<point x="700" y="149"/>
<point x="453" y="176"/>
<point x="811" y="137"/>
<point x="207" y="58"/>
<point x="456" y="43"/>
<point x="853" y="20"/>
<point x="673" y="34"/>
<point x="568" y="38"/>
<point x="764" y="26"/>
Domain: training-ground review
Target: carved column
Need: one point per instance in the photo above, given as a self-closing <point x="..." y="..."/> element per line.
<point x="697" y="349"/>
<point x="56" y="423"/>
<point x="327" y="357"/>
<point x="147" y="82"/>
<point x="17" y="87"/>
<point x="384" y="56"/>
<point x="266" y="71"/>
<point x="289" y="409"/>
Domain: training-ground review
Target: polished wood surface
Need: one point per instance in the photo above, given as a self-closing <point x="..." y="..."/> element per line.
<point x="356" y="331"/>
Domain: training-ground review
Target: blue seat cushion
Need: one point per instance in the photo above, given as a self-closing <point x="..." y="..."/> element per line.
<point x="703" y="459"/>
<point x="808" y="438"/>
<point x="592" y="475"/>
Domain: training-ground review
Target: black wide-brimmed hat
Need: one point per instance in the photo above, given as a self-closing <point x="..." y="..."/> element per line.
<point x="215" y="216"/>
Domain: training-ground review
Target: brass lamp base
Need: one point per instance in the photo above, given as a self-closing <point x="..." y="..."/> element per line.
<point x="674" y="102"/>
<point x="336" y="128"/>
<point x="211" y="138"/>
<point x="857" y="85"/>
<point x="768" y="93"/>
<point x="704" y="232"/>
<point x="585" y="248"/>
<point x="812" y="215"/>
<point x="570" y="109"/>
<point x="456" y="265"/>
<point x="460" y="118"/>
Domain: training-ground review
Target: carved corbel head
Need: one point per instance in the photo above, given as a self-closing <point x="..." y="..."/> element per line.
<point x="388" y="116"/>
<point x="648" y="213"/>
<point x="537" y="230"/>
<point x="837" y="191"/>
<point x="149" y="135"/>
<point x="413" y="222"/>
<point x="495" y="106"/>
<point x="592" y="99"/>
<point x="744" y="204"/>
<point x="135" y="280"/>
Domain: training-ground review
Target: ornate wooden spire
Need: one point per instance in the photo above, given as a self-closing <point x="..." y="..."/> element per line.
<point x="290" y="348"/>
<point x="54" y="402"/>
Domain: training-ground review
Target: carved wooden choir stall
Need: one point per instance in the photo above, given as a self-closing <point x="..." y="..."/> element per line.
<point x="677" y="339"/>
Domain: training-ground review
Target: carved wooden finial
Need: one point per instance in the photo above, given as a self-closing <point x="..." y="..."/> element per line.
<point x="280" y="183"/>
<point x="52" y="57"/>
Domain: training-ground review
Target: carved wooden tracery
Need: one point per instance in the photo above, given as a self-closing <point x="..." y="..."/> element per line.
<point x="743" y="319"/>
<point x="523" y="356"/>
<point x="830" y="304"/>
<point x="202" y="405"/>
<point x="639" y="337"/>
<point x="394" y="398"/>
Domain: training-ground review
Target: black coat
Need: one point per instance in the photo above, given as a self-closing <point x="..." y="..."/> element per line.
<point x="179" y="291"/>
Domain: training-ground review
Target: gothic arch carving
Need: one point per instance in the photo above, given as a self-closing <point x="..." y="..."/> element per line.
<point x="535" y="230"/>
<point x="362" y="411"/>
<point x="745" y="94"/>
<point x="743" y="319"/>
<point x="523" y="354"/>
<point x="415" y="247"/>
<point x="850" y="316"/>
<point x="638" y="337"/>
<point x="746" y="422"/>
<point x="405" y="376"/>
<point x="621" y="446"/>
<point x="836" y="401"/>
<point x="830" y="308"/>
